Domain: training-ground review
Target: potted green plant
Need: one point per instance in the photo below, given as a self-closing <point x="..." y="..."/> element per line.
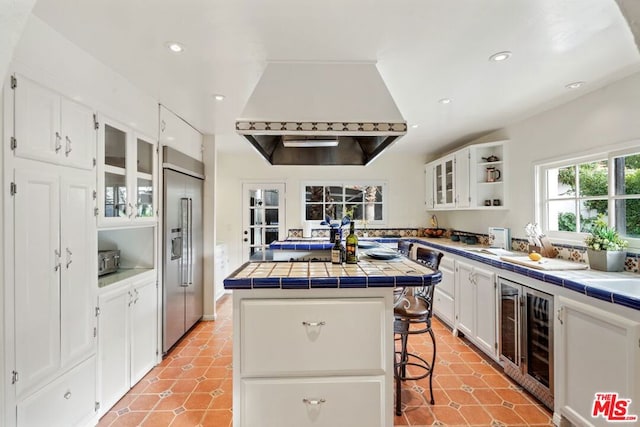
<point x="605" y="247"/>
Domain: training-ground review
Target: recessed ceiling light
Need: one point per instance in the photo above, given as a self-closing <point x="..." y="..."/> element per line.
<point x="219" y="97"/>
<point x="175" y="47"/>
<point x="445" y="101"/>
<point x="500" y="56"/>
<point x="415" y="126"/>
<point x="574" y="85"/>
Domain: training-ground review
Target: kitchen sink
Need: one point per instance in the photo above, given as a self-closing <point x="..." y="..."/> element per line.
<point x="625" y="284"/>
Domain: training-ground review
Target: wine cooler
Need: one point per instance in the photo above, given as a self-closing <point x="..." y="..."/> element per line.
<point x="526" y="338"/>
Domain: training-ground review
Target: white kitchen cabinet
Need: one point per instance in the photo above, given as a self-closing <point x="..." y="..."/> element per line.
<point x="447" y="181"/>
<point x="597" y="352"/>
<point x="295" y="402"/>
<point x="475" y="299"/>
<point x="443" y="179"/>
<point x="127" y="336"/>
<point x="127" y="175"/>
<point x="55" y="272"/>
<point x="178" y="134"/>
<point x="444" y="293"/>
<point x="52" y="128"/>
<point x="487" y="170"/>
<point x="472" y="177"/>
<point x="429" y="197"/>
<point x="67" y="401"/>
<point x="144" y="328"/>
<point x="313" y="360"/>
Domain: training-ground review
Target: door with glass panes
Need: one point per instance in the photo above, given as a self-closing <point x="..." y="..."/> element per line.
<point x="263" y="219"/>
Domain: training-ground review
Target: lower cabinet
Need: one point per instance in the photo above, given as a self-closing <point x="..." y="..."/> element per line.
<point x="342" y="401"/>
<point x="444" y="293"/>
<point x="67" y="401"/>
<point x="597" y="352"/>
<point x="476" y="306"/>
<point x="127" y="337"/>
<point x="313" y="361"/>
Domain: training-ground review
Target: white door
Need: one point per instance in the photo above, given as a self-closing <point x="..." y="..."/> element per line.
<point x="37" y="276"/>
<point x="113" y="345"/>
<point x="78" y="134"/>
<point x="144" y="320"/>
<point x="37" y="122"/>
<point x="485" y="332"/>
<point x="465" y="299"/>
<point x="597" y="352"/>
<point x="429" y="183"/>
<point x="79" y="269"/>
<point x="263" y="218"/>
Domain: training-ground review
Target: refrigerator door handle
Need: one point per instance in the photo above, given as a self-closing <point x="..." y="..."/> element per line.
<point x="190" y="241"/>
<point x="186" y="229"/>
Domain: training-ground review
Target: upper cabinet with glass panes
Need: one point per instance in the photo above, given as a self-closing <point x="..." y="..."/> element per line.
<point x="577" y="192"/>
<point x="361" y="202"/>
<point x="127" y="163"/>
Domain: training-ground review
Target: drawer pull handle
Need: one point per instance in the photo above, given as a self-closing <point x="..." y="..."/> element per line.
<point x="322" y="323"/>
<point x="67" y="395"/>
<point x="313" y="401"/>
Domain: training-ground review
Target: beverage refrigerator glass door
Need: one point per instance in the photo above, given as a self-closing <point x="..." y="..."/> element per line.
<point x="526" y="338"/>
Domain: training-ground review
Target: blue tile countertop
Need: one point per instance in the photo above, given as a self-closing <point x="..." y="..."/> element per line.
<point x="319" y="243"/>
<point x="617" y="288"/>
<point x="367" y="273"/>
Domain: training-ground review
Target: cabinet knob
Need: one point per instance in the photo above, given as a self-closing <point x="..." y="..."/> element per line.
<point x="321" y="323"/>
<point x="67" y="395"/>
<point x="313" y="401"/>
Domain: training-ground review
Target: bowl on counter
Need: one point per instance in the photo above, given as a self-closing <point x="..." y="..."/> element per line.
<point x="434" y="232"/>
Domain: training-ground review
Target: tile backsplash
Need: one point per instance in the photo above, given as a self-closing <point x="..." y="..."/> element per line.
<point x="566" y="252"/>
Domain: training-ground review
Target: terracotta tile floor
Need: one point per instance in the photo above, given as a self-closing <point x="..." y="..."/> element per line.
<point x="192" y="386"/>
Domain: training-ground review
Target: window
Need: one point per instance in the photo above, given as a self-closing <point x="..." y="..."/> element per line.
<point x="359" y="201"/>
<point x="575" y="192"/>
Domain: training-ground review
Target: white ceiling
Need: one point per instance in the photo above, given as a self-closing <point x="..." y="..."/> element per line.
<point x="425" y="50"/>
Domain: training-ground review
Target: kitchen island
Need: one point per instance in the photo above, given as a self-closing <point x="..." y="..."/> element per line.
<point x="313" y="341"/>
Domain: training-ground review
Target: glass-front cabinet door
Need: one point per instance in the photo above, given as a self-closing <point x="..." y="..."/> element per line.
<point x="115" y="172"/>
<point x="126" y="175"/>
<point x="444" y="186"/>
<point x="145" y="206"/>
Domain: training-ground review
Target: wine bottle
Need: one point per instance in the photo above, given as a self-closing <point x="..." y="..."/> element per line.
<point x="336" y="251"/>
<point x="352" y="245"/>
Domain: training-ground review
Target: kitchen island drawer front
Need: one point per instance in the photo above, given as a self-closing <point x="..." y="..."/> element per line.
<point x="443" y="307"/>
<point x="322" y="337"/>
<point x="326" y="402"/>
<point x="67" y="401"/>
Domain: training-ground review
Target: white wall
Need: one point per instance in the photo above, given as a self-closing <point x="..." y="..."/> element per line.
<point x="610" y="115"/>
<point x="404" y="175"/>
<point x="13" y="16"/>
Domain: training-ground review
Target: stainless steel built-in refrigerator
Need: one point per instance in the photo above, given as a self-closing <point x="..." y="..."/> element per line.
<point x="182" y="222"/>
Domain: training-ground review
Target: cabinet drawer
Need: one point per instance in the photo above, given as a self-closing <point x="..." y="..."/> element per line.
<point x="312" y="337"/>
<point x="443" y="306"/>
<point x="67" y="401"/>
<point x="330" y="402"/>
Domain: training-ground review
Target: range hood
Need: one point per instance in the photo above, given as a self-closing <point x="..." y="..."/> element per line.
<point x="321" y="114"/>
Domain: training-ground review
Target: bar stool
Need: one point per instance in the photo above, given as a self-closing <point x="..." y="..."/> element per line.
<point x="404" y="247"/>
<point x="415" y="308"/>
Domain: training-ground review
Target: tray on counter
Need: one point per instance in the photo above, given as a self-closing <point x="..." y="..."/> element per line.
<point x="545" y="263"/>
